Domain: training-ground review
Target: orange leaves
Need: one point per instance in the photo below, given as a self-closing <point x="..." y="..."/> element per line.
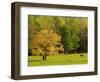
<point x="46" y="41"/>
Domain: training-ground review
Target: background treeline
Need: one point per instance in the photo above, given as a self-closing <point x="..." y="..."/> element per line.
<point x="73" y="31"/>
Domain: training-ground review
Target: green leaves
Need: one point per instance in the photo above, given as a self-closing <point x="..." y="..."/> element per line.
<point x="72" y="32"/>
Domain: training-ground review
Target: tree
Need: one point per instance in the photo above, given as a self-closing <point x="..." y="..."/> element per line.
<point x="35" y="24"/>
<point x="69" y="33"/>
<point x="46" y="42"/>
<point x="83" y="35"/>
<point x="45" y="22"/>
<point x="33" y="28"/>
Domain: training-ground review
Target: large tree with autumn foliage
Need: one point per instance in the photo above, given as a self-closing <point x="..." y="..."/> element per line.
<point x="46" y="42"/>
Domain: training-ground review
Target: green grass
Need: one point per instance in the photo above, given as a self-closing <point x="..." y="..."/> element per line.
<point x="58" y="60"/>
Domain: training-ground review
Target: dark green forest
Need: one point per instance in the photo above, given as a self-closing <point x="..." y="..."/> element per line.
<point x="73" y="31"/>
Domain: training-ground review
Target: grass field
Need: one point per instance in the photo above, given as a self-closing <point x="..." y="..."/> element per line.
<point x="58" y="60"/>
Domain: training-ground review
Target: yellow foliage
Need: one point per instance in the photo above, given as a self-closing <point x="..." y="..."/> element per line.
<point x="45" y="42"/>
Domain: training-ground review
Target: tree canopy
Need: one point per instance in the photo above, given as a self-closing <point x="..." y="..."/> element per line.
<point x="46" y="42"/>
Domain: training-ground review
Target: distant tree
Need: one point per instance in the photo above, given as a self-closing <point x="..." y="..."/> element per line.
<point x="46" y="42"/>
<point x="70" y="34"/>
<point x="45" y="22"/>
<point x="58" y="22"/>
<point x="83" y="35"/>
<point x="33" y="28"/>
<point x="69" y="39"/>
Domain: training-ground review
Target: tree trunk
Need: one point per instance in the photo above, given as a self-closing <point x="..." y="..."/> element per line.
<point x="44" y="57"/>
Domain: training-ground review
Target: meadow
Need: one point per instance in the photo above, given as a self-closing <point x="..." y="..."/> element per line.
<point x="69" y="59"/>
